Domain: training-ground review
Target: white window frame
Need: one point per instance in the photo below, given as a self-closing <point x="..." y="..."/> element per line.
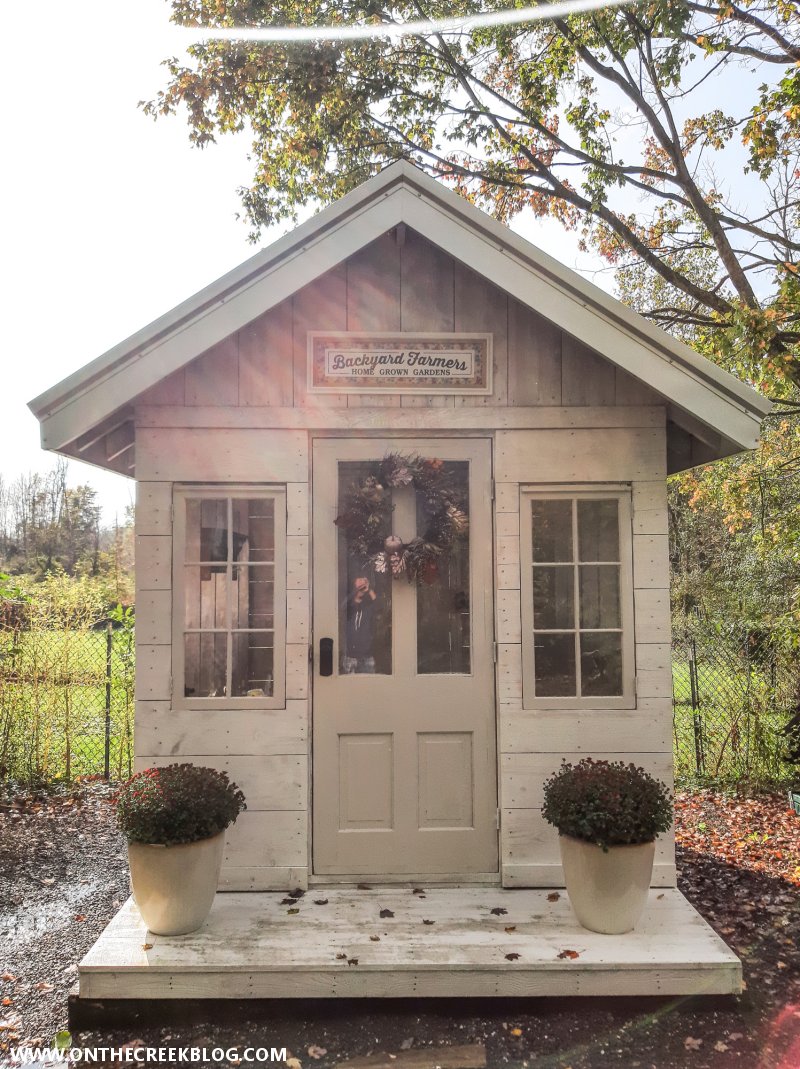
<point x="622" y="494"/>
<point x="181" y="493"/>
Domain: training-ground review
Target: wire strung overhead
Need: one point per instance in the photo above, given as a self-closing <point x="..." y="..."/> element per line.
<point x="456" y="23"/>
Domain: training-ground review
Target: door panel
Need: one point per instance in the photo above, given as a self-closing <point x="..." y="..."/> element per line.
<point x="404" y="726"/>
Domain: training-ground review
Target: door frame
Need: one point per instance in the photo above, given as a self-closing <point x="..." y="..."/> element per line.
<point x="407" y="439"/>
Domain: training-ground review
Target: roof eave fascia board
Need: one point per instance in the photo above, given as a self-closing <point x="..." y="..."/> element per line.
<point x="703" y="399"/>
<point x="283" y="248"/>
<point x="399" y="194"/>
<point x="586" y="291"/>
<point x="217" y="319"/>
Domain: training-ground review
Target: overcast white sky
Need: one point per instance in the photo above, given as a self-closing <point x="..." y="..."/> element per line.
<point x="108" y="219"/>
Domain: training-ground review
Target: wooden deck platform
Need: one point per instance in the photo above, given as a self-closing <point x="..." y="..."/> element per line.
<point x="391" y="942"/>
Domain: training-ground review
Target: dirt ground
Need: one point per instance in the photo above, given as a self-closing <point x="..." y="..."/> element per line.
<point x="63" y="874"/>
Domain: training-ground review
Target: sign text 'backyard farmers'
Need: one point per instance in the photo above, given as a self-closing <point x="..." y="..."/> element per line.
<point x="348" y="362"/>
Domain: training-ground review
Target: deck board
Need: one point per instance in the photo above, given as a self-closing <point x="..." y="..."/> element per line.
<point x="252" y="947"/>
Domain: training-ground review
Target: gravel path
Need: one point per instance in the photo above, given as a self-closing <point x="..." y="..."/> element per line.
<point x="63" y="875"/>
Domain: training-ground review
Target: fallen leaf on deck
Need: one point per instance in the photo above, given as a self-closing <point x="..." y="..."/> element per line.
<point x="374" y="939"/>
<point x="418" y="891"/>
<point x="352" y="961"/>
<point x="298" y="892"/>
<point x="287" y="901"/>
<point x="320" y="901"/>
<point x="147" y="946"/>
<point x="721" y="1047"/>
<point x="428" y="922"/>
<point x="690" y="1043"/>
<point x="511" y="928"/>
<point x="386" y="913"/>
<point x="363" y="887"/>
<point x="294" y="1063"/>
<point x="498" y="911"/>
<point x="293" y="910"/>
<point x="570" y="954"/>
<point x="512" y="957"/>
<point x="341" y="957"/>
<point x="317" y="1052"/>
<point x="553" y="896"/>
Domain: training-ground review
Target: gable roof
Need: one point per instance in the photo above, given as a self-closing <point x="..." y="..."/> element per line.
<point x="699" y="394"/>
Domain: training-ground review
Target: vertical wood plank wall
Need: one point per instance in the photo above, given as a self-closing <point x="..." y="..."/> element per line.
<point x="391" y="285"/>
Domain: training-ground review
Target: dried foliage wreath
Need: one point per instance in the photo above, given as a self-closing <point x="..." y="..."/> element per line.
<point x="367" y="514"/>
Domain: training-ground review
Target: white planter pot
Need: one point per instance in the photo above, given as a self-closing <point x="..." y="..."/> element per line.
<point x="174" y="886"/>
<point x="607" y="889"/>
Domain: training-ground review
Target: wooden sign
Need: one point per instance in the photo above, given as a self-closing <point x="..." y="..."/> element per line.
<point x="345" y="362"/>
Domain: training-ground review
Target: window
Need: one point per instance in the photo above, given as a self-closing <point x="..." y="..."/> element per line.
<point x="577" y="608"/>
<point x="230" y="597"/>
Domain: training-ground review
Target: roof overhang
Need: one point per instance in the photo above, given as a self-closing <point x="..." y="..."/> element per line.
<point x="711" y="405"/>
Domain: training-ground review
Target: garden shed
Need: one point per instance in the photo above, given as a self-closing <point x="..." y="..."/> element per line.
<point x="402" y="347"/>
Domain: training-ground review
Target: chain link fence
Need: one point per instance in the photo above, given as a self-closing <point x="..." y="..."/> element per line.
<point x="66" y="701"/>
<point x="733" y="692"/>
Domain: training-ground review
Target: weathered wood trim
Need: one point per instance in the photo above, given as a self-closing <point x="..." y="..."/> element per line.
<point x="586" y="731"/>
<point x="165" y="732"/>
<point x="278" y="783"/>
<point x="538" y="875"/>
<point x="482" y="418"/>
<point x="207" y="455"/>
<point x="523" y="774"/>
<point x="616" y="455"/>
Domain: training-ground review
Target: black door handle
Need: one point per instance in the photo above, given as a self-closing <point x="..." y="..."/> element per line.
<point x="326" y="656"/>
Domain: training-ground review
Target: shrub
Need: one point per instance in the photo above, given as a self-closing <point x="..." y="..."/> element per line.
<point x="177" y="804"/>
<point x="607" y="803"/>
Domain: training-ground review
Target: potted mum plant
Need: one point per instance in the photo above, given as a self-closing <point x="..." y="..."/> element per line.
<point x="174" y="819"/>
<point x="608" y="815"/>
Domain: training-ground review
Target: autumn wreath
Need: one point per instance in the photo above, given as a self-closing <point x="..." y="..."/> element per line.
<point x="366" y="517"/>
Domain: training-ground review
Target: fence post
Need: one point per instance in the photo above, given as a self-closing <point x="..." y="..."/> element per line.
<point x="696" y="719"/>
<point x="107" y="748"/>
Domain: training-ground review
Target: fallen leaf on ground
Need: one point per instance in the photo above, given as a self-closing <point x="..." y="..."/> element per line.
<point x="386" y="913"/>
<point x="317" y="1052"/>
<point x="553" y="896"/>
<point x="511" y="928"/>
<point x="147" y="946"/>
<point x="80" y="916"/>
<point x="293" y="911"/>
<point x="374" y="939"/>
<point x="721" y="1047"/>
<point x="320" y="901"/>
<point x="512" y="957"/>
<point x="428" y="922"/>
<point x="341" y="957"/>
<point x="570" y="954"/>
<point x="498" y="911"/>
<point x="352" y="961"/>
<point x="690" y="1043"/>
<point x="44" y="987"/>
<point x="516" y="1031"/>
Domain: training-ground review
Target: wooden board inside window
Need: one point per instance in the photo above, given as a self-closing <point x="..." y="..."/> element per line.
<point x="229" y="625"/>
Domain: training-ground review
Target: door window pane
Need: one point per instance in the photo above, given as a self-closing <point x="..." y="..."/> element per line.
<point x="555" y="665"/>
<point x="365" y="596"/>
<point x="443" y="612"/>
<point x="206" y="594"/>
<point x="253" y="596"/>
<point x="552" y="530"/>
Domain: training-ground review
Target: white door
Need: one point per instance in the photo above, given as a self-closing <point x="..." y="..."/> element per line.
<point x="404" y="751"/>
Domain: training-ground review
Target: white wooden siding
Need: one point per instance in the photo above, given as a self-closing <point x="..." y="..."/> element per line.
<point x="558" y="414"/>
